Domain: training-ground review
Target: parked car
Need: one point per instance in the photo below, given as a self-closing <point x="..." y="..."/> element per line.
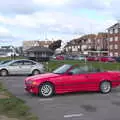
<point x="59" y="57"/>
<point x="107" y="59"/>
<point x="80" y="58"/>
<point x="18" y="67"/>
<point x="69" y="57"/>
<point x="3" y="62"/>
<point x="72" y="78"/>
<point x="117" y="59"/>
<point x="53" y="57"/>
<point x="92" y="58"/>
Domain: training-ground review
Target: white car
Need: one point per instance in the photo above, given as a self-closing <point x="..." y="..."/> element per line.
<point x="80" y="58"/>
<point x="20" y="67"/>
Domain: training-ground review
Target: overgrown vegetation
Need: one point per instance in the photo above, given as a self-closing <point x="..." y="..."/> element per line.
<point x="14" y="107"/>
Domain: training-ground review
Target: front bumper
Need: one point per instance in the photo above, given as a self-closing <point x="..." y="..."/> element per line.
<point x="32" y="89"/>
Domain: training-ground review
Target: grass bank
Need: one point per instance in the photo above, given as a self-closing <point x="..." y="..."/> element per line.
<point x="13" y="107"/>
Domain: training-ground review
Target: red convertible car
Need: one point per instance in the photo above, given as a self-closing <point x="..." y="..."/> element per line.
<point x="72" y="78"/>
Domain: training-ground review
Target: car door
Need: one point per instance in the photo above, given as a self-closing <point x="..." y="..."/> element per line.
<point x="93" y="79"/>
<point x="77" y="81"/>
<point x="27" y="66"/>
<point x="15" y="67"/>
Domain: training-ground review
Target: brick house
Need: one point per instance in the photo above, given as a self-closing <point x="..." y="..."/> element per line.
<point x="90" y="44"/>
<point x="114" y="40"/>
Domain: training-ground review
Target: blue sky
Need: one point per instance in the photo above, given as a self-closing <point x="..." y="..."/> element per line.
<point x="55" y="19"/>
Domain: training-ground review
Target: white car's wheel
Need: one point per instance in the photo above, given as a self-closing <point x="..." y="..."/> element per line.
<point x="46" y="90"/>
<point x="105" y="87"/>
<point x="35" y="72"/>
<point x="4" y="73"/>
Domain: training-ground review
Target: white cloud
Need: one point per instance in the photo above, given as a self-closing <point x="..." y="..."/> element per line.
<point x="6" y="36"/>
<point x="50" y="2"/>
<point x="58" y="22"/>
<point x="4" y="30"/>
<point x="45" y="16"/>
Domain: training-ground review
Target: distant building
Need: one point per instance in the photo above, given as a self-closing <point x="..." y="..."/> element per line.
<point x="114" y="39"/>
<point x="83" y="45"/>
<point x="101" y="44"/>
<point x="36" y="43"/>
<point x="7" y="51"/>
<point x="39" y="53"/>
<point x="90" y="44"/>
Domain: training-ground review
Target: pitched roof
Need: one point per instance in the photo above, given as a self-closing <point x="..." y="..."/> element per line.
<point x="39" y="49"/>
<point x="113" y="26"/>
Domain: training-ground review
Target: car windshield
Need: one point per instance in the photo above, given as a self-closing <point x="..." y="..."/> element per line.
<point x="4" y="62"/>
<point x="62" y="69"/>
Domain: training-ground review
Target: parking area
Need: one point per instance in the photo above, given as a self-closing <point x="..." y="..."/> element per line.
<point x="77" y="106"/>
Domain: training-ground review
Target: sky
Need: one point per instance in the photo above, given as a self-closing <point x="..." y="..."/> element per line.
<point x="54" y="19"/>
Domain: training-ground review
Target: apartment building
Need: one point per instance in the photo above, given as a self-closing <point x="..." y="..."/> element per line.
<point x="90" y="44"/>
<point x="75" y="46"/>
<point x="8" y="51"/>
<point x="114" y="39"/>
<point x="101" y="42"/>
<point x="81" y="45"/>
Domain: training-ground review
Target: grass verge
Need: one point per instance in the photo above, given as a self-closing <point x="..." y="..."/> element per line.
<point x="14" y="107"/>
<point x="106" y="66"/>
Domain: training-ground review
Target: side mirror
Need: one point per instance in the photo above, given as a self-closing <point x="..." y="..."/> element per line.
<point x="70" y="73"/>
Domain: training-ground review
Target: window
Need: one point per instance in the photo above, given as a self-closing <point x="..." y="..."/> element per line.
<point x="17" y="63"/>
<point x="89" y="47"/>
<point x="83" y="69"/>
<point x="116" y="30"/>
<point x="111" y="54"/>
<point x="89" y="40"/>
<point x="75" y="70"/>
<point x="116" y="54"/>
<point x="116" y="38"/>
<point x="66" y="49"/>
<point x="111" y="47"/>
<point x="111" y="39"/>
<point x="98" y="40"/>
<point x="111" y="31"/>
<point x="62" y="69"/>
<point x="116" y="46"/>
<point x="28" y="63"/>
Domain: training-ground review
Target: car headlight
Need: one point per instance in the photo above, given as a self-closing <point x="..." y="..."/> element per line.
<point x="29" y="82"/>
<point x="34" y="83"/>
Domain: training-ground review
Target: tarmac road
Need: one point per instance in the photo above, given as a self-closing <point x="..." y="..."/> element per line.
<point x="78" y="106"/>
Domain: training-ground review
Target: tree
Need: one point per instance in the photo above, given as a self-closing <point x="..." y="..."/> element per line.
<point x="55" y="45"/>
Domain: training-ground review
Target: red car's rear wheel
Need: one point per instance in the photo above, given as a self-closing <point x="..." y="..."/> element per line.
<point x="105" y="87"/>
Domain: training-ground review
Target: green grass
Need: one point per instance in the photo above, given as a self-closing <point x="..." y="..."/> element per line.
<point x="14" y="107"/>
<point x="54" y="64"/>
<point x="106" y="66"/>
<point x="9" y="58"/>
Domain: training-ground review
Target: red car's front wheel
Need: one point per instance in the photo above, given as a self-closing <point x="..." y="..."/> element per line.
<point x="46" y="90"/>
